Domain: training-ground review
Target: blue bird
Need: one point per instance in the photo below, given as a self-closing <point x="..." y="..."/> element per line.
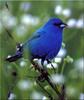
<point x="45" y="43"/>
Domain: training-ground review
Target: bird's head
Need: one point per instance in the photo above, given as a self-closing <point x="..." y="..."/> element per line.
<point x="56" y="23"/>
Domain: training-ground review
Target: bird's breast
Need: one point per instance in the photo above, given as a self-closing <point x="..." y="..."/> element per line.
<point x="53" y="45"/>
<point x="53" y="41"/>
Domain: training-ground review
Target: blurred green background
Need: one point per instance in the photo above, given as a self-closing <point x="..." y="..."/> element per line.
<point x="21" y="19"/>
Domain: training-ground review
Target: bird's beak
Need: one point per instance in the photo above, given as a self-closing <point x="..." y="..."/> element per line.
<point x="63" y="25"/>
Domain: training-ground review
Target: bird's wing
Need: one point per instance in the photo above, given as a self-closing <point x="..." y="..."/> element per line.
<point x="36" y="35"/>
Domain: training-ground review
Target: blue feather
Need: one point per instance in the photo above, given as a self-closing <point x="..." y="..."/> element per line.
<point x="46" y="41"/>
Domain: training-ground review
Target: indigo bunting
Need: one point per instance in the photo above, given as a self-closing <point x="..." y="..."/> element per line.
<point x="45" y="43"/>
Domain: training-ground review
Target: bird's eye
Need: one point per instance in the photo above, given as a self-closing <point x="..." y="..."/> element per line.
<point x="57" y="24"/>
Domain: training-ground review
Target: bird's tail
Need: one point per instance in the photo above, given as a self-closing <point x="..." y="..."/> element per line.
<point x="18" y="54"/>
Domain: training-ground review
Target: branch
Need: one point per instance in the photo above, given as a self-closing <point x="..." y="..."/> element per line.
<point x="45" y="76"/>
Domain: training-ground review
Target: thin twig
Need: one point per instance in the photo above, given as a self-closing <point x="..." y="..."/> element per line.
<point x="46" y="76"/>
<point x="54" y="86"/>
<point x="49" y="95"/>
<point x="52" y="66"/>
<point x="6" y="4"/>
<point x="63" y="92"/>
<point x="63" y="66"/>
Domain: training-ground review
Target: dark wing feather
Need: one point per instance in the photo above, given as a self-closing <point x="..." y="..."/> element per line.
<point x="36" y="35"/>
